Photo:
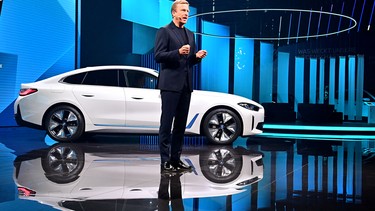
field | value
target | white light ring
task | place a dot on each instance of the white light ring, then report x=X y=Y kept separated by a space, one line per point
x=276 y=38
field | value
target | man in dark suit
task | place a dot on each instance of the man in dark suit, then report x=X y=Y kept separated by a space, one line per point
x=175 y=51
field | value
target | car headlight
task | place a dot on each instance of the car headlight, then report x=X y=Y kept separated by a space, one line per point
x=249 y=106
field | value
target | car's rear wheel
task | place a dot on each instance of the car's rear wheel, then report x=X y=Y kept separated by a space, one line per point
x=63 y=163
x=64 y=123
x=222 y=126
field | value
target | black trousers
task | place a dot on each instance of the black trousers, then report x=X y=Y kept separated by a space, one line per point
x=174 y=109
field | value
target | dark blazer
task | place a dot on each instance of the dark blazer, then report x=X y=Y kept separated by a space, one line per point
x=174 y=67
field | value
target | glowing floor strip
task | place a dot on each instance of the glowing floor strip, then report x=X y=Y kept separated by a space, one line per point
x=320 y=128
x=317 y=136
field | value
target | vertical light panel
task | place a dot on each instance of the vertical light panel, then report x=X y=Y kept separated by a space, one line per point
x=283 y=77
x=332 y=75
x=311 y=174
x=340 y=170
x=297 y=173
x=320 y=174
x=341 y=96
x=281 y=179
x=266 y=72
x=360 y=78
x=244 y=67
x=264 y=196
x=299 y=74
x=215 y=67
x=321 y=81
x=351 y=89
x=350 y=168
x=358 y=170
x=313 y=76
x=330 y=175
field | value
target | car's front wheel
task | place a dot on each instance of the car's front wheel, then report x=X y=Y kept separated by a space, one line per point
x=64 y=123
x=222 y=126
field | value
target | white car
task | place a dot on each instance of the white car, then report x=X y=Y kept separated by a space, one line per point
x=123 y=99
x=75 y=176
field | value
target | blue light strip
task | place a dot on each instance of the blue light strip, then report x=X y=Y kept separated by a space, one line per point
x=320 y=18
x=299 y=21
x=342 y=10
x=317 y=136
x=319 y=128
x=329 y=20
x=372 y=12
x=308 y=29
x=355 y=3
x=290 y=24
x=360 y=19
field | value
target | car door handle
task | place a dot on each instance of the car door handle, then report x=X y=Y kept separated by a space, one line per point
x=137 y=98
x=88 y=95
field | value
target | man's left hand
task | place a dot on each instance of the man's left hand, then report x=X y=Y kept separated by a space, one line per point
x=201 y=54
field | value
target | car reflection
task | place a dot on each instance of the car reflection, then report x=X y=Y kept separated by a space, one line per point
x=81 y=176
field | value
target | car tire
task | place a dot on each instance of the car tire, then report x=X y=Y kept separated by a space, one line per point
x=221 y=164
x=222 y=126
x=63 y=163
x=64 y=123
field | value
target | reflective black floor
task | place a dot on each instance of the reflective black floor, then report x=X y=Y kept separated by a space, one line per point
x=123 y=173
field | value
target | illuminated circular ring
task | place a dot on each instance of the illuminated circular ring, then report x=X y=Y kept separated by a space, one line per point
x=276 y=38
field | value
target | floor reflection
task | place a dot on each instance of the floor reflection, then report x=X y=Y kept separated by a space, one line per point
x=123 y=173
x=82 y=176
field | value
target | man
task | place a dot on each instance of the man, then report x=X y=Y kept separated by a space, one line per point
x=175 y=51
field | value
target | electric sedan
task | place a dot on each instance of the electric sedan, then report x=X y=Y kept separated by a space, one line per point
x=124 y=99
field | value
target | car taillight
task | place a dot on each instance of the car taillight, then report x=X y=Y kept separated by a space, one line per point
x=24 y=92
x=22 y=191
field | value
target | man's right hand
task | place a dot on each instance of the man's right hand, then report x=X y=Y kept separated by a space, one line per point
x=184 y=50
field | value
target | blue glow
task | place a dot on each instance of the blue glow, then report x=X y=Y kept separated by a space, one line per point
x=297 y=171
x=244 y=68
x=350 y=168
x=360 y=19
x=320 y=173
x=281 y=179
x=318 y=128
x=151 y=14
x=266 y=72
x=317 y=136
x=351 y=109
x=31 y=32
x=283 y=78
x=332 y=73
x=331 y=167
x=321 y=81
x=342 y=80
x=313 y=76
x=311 y=174
x=299 y=79
x=340 y=169
x=214 y=68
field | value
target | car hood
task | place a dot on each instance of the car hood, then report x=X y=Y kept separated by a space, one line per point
x=210 y=95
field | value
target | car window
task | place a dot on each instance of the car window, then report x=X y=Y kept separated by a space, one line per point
x=102 y=78
x=138 y=79
x=75 y=79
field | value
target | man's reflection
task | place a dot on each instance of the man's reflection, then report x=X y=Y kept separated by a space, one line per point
x=171 y=180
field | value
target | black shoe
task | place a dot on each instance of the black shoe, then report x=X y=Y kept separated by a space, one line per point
x=181 y=166
x=166 y=167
